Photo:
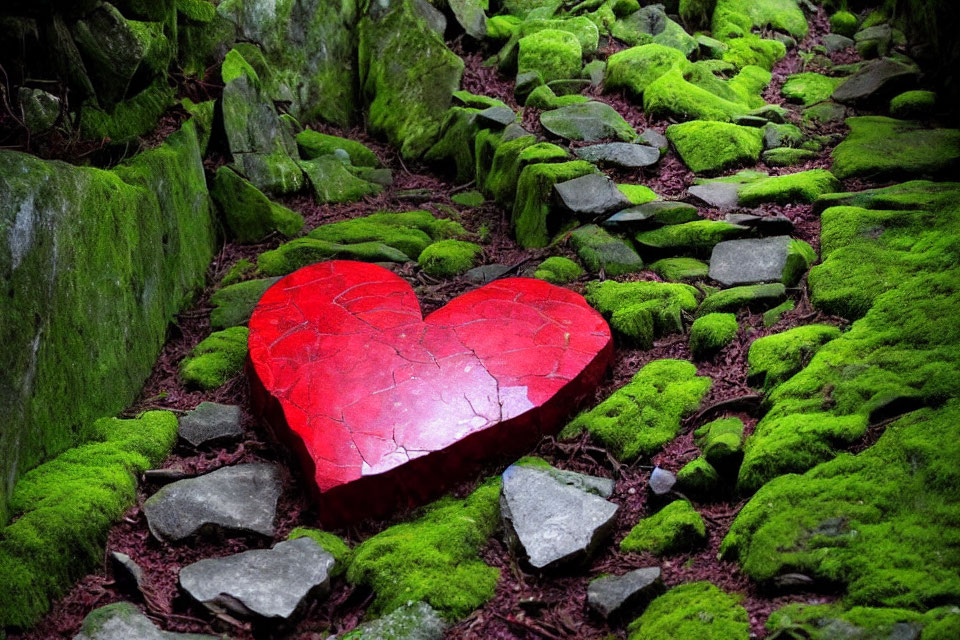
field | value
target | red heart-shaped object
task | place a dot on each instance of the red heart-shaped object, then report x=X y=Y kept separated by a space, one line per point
x=385 y=408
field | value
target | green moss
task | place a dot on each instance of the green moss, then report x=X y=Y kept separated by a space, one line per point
x=65 y=507
x=635 y=68
x=333 y=182
x=735 y=298
x=721 y=442
x=248 y=213
x=409 y=240
x=435 y=558
x=407 y=75
x=448 y=258
x=635 y=29
x=751 y=50
x=711 y=333
x=586 y=32
x=736 y=18
x=233 y=304
x=332 y=544
x=601 y=251
x=554 y=54
x=698 y=478
x=773 y=316
x=637 y=193
x=475 y=101
x=826 y=621
x=673 y=96
x=809 y=88
x=216 y=359
x=707 y=147
x=787 y=157
x=696 y=14
x=694 y=610
x=456 y=147
x=127 y=120
x=675 y=528
x=535 y=220
x=558 y=270
x=880 y=148
x=664 y=302
x=678 y=269
x=543 y=97
x=313 y=144
x=468 y=199
x=805 y=186
x=645 y=414
x=587 y=122
x=914 y=104
x=823 y=113
x=843 y=23
x=883 y=523
x=240 y=270
x=509 y=161
x=298 y=253
x=697 y=237
x=774 y=358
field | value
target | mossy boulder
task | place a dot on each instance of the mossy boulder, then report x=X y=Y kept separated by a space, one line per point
x=601 y=251
x=826 y=621
x=248 y=213
x=587 y=122
x=555 y=54
x=129 y=119
x=298 y=253
x=509 y=160
x=844 y=23
x=802 y=187
x=914 y=104
x=435 y=558
x=679 y=269
x=635 y=68
x=738 y=18
x=684 y=96
x=448 y=258
x=313 y=144
x=709 y=147
x=711 y=333
x=809 y=88
x=332 y=181
x=234 y=304
x=698 y=237
x=721 y=442
x=651 y=24
x=698 y=478
x=882 y=148
x=693 y=610
x=558 y=270
x=410 y=232
x=645 y=414
x=543 y=97
x=535 y=218
x=675 y=528
x=787 y=157
x=642 y=311
x=216 y=359
x=773 y=359
x=754 y=296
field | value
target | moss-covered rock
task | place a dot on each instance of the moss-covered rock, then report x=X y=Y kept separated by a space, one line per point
x=216 y=359
x=298 y=253
x=651 y=25
x=805 y=187
x=248 y=213
x=543 y=97
x=844 y=23
x=754 y=296
x=773 y=316
x=675 y=528
x=588 y=122
x=555 y=54
x=448 y=258
x=558 y=270
x=535 y=219
x=129 y=119
x=737 y=18
x=65 y=507
x=787 y=157
x=233 y=304
x=694 y=610
x=696 y=14
x=642 y=311
x=914 y=104
x=809 y=88
x=332 y=544
x=679 y=269
x=435 y=558
x=752 y=50
x=826 y=621
x=721 y=442
x=711 y=333
x=773 y=359
x=635 y=68
x=707 y=147
x=332 y=181
x=601 y=251
x=407 y=75
x=643 y=415
x=881 y=148
x=313 y=144
x=697 y=237
x=510 y=159
x=410 y=232
x=672 y=95
x=698 y=478
x=637 y=193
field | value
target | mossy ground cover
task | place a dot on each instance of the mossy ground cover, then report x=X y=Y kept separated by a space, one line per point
x=694 y=610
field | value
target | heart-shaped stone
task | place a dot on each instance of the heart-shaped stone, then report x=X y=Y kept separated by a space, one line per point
x=386 y=409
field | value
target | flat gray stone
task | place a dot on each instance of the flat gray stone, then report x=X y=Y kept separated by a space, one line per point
x=626 y=155
x=661 y=482
x=211 y=422
x=499 y=116
x=835 y=42
x=487 y=273
x=777 y=225
x=588 y=121
x=591 y=195
x=413 y=621
x=123 y=621
x=269 y=583
x=655 y=139
x=617 y=595
x=750 y=261
x=238 y=498
x=877 y=81
x=430 y=14
x=551 y=523
x=651 y=214
x=470 y=15
x=514 y=131
x=722 y=195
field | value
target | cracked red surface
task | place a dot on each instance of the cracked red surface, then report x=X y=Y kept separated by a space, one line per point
x=385 y=407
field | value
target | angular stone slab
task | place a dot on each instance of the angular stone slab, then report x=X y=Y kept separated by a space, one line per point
x=878 y=80
x=626 y=155
x=269 y=583
x=413 y=621
x=123 y=621
x=363 y=388
x=498 y=116
x=617 y=595
x=238 y=498
x=552 y=523
x=776 y=225
x=661 y=482
x=600 y=250
x=211 y=422
x=653 y=213
x=593 y=194
x=750 y=261
x=722 y=195
x=587 y=122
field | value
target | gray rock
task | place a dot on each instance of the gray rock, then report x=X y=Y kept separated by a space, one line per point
x=619 y=154
x=588 y=121
x=651 y=214
x=772 y=112
x=487 y=273
x=40 y=109
x=591 y=195
x=211 y=422
x=525 y=83
x=661 y=481
x=568 y=86
x=599 y=250
x=238 y=498
x=750 y=261
x=431 y=15
x=551 y=523
x=498 y=116
x=835 y=42
x=413 y=621
x=616 y=595
x=470 y=15
x=514 y=131
x=722 y=195
x=123 y=621
x=126 y=572
x=776 y=225
x=269 y=583
x=655 y=139
x=874 y=41
x=594 y=71
x=876 y=81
